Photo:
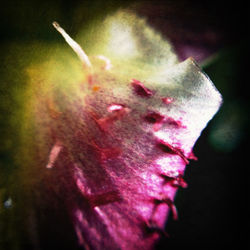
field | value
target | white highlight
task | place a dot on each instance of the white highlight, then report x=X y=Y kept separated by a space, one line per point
x=114 y=107
x=8 y=203
x=74 y=45
x=99 y=211
x=122 y=40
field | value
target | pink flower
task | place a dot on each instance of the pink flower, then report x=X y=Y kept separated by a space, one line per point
x=120 y=139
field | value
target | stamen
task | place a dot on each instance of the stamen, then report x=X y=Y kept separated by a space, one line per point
x=107 y=61
x=74 y=45
x=56 y=149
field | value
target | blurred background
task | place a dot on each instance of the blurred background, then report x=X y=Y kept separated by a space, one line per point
x=213 y=209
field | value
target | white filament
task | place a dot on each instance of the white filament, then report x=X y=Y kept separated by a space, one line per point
x=74 y=45
x=107 y=61
x=56 y=149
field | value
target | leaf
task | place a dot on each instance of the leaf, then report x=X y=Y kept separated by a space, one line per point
x=108 y=148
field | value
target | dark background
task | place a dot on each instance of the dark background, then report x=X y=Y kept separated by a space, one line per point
x=213 y=210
